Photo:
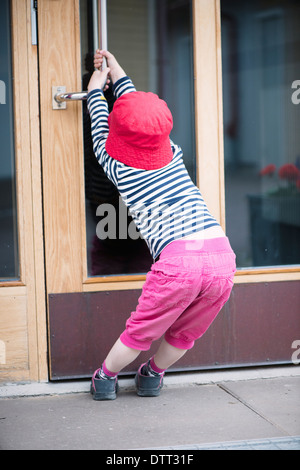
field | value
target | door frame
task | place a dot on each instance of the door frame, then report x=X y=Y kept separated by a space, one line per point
x=23 y=331
x=62 y=146
x=62 y=142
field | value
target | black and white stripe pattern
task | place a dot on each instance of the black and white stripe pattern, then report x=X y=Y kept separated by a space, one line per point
x=165 y=204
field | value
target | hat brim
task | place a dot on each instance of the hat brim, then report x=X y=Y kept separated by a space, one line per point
x=140 y=158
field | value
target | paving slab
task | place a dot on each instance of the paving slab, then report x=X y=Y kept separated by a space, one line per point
x=180 y=416
x=276 y=400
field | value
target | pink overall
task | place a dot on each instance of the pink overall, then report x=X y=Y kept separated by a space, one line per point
x=183 y=293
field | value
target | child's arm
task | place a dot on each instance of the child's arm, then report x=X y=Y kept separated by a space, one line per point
x=98 y=109
x=99 y=80
x=121 y=83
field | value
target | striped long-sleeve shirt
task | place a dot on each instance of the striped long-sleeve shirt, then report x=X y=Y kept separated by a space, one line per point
x=164 y=203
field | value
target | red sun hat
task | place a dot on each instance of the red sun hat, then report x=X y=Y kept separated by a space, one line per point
x=139 y=128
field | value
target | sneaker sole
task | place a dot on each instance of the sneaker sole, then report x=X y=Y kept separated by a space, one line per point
x=148 y=393
x=103 y=396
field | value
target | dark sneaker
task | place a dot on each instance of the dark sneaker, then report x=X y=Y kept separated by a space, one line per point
x=104 y=389
x=148 y=386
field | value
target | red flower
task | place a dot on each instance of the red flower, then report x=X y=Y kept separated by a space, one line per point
x=289 y=172
x=268 y=170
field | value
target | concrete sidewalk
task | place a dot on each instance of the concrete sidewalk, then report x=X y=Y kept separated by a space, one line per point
x=240 y=409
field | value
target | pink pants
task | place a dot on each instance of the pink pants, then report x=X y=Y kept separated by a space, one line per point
x=183 y=293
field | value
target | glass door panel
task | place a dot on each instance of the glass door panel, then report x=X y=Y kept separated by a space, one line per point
x=153 y=42
x=9 y=257
x=261 y=70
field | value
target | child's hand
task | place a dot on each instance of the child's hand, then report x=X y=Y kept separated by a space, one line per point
x=116 y=71
x=98 y=60
x=99 y=79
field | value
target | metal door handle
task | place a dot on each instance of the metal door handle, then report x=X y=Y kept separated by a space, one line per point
x=60 y=97
x=76 y=96
x=59 y=94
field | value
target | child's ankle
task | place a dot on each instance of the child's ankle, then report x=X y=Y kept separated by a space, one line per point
x=105 y=373
x=151 y=369
x=155 y=368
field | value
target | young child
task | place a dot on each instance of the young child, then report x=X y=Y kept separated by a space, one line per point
x=192 y=274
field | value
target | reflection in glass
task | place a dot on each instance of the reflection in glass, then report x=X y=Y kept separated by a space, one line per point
x=261 y=66
x=9 y=259
x=153 y=42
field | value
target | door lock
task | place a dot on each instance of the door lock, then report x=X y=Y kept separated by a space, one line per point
x=60 y=97
x=57 y=90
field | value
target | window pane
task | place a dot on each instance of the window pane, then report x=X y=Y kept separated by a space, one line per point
x=9 y=262
x=261 y=91
x=153 y=42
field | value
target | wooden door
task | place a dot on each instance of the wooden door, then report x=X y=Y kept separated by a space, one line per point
x=75 y=328
x=61 y=135
x=86 y=313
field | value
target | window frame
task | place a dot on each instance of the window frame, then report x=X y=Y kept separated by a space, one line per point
x=207 y=49
x=246 y=274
